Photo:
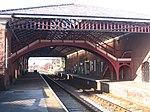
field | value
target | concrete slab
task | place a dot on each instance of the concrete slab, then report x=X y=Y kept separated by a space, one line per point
x=22 y=101
x=29 y=94
x=137 y=92
x=26 y=95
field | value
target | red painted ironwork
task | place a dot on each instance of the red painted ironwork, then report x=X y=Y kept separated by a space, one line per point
x=105 y=68
x=115 y=63
x=55 y=26
x=67 y=24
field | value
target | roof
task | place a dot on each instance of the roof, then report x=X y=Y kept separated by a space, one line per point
x=22 y=38
x=74 y=10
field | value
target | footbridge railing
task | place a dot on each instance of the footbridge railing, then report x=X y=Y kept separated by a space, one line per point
x=77 y=43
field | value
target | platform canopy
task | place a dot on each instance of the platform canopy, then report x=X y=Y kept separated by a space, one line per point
x=71 y=22
x=74 y=10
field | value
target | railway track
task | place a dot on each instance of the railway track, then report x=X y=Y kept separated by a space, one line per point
x=72 y=102
x=109 y=102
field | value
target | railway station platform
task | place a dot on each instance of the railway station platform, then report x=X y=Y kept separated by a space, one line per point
x=136 y=92
x=29 y=94
x=86 y=81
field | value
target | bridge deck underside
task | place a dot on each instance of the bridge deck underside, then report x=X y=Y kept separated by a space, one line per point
x=22 y=38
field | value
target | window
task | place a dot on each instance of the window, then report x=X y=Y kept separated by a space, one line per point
x=145 y=72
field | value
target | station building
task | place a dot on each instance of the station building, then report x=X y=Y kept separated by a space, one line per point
x=94 y=41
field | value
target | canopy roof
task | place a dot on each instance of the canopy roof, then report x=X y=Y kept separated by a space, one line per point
x=75 y=10
x=28 y=25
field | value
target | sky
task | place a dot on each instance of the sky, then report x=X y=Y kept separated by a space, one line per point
x=41 y=60
x=140 y=6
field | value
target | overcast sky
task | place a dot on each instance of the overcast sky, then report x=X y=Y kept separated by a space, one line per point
x=140 y=6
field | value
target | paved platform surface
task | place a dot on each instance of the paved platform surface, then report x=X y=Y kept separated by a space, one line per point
x=140 y=85
x=29 y=94
x=87 y=77
x=137 y=92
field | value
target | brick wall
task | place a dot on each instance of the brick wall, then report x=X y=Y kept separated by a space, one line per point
x=136 y=46
x=4 y=78
x=140 y=46
x=9 y=68
x=6 y=66
x=76 y=64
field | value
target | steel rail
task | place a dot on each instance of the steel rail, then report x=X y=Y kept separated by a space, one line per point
x=89 y=106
